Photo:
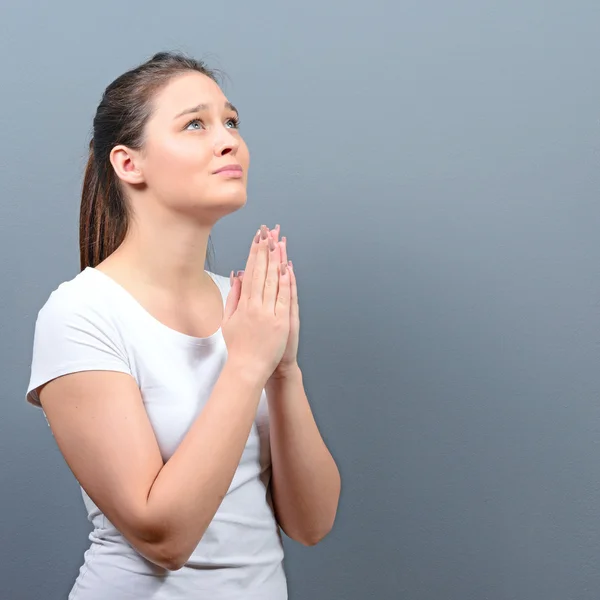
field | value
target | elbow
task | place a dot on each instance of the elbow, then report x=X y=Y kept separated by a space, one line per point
x=312 y=537
x=165 y=550
x=311 y=531
x=168 y=556
x=315 y=538
x=174 y=564
x=165 y=542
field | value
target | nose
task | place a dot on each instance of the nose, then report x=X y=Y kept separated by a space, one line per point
x=226 y=144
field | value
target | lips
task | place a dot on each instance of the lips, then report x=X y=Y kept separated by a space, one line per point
x=230 y=168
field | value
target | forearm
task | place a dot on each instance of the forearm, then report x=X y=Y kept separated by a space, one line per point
x=192 y=484
x=305 y=479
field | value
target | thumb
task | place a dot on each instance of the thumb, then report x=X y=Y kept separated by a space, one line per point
x=233 y=297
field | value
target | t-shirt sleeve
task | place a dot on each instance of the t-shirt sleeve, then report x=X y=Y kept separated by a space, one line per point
x=72 y=335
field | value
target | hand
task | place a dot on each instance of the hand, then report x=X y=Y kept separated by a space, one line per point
x=256 y=323
x=289 y=360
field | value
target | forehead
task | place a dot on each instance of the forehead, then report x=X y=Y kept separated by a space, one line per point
x=186 y=90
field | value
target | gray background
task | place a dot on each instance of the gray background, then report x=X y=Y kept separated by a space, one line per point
x=435 y=166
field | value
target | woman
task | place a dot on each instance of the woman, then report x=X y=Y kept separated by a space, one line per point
x=174 y=394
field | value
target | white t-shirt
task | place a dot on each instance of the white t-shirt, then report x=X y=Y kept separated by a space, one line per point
x=93 y=323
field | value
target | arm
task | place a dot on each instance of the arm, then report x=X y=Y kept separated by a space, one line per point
x=102 y=430
x=305 y=479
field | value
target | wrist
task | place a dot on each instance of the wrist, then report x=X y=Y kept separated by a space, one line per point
x=246 y=372
x=286 y=372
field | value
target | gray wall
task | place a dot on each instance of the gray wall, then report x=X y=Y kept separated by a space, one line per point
x=435 y=165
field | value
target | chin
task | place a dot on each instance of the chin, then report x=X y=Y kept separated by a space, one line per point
x=232 y=201
x=221 y=205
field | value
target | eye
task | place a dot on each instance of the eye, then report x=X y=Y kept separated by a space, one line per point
x=195 y=122
x=233 y=123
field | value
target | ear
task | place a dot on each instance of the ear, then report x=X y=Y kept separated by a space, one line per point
x=126 y=163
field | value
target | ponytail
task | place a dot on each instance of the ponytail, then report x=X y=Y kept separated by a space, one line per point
x=102 y=217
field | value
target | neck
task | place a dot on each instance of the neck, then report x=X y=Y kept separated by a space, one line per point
x=167 y=254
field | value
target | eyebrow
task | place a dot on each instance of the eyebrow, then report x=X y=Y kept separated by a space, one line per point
x=201 y=107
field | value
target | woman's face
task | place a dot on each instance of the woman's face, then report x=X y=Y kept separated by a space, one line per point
x=190 y=138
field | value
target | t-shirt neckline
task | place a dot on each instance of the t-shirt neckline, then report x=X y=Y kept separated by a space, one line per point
x=175 y=335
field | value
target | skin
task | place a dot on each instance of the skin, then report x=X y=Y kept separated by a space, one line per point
x=175 y=199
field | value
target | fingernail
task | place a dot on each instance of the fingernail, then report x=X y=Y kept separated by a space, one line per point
x=240 y=273
x=284 y=239
x=231 y=278
x=290 y=264
x=283 y=268
x=264 y=232
x=271 y=244
x=257 y=237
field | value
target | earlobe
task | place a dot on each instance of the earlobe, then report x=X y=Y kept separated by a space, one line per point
x=125 y=162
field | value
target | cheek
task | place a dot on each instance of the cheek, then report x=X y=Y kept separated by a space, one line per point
x=243 y=157
x=244 y=154
x=178 y=159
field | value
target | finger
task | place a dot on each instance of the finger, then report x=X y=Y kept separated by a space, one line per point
x=247 y=281
x=259 y=272
x=282 y=308
x=233 y=297
x=294 y=306
x=283 y=246
x=272 y=279
x=275 y=233
x=283 y=250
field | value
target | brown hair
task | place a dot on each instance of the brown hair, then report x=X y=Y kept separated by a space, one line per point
x=121 y=117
